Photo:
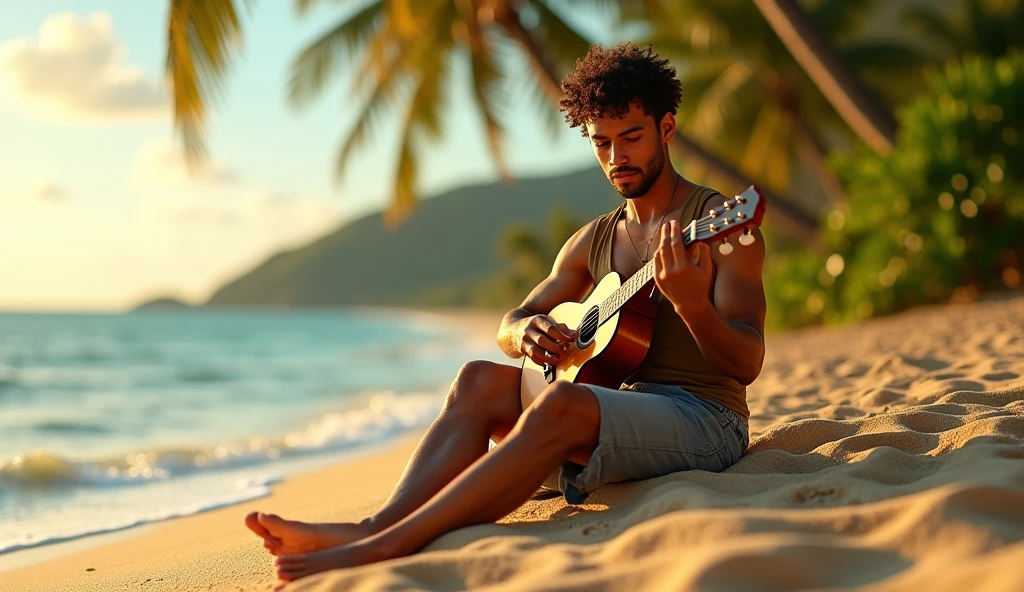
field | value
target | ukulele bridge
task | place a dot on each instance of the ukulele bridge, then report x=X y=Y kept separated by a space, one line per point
x=549 y=373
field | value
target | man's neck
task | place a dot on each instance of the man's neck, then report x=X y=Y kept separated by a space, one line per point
x=649 y=208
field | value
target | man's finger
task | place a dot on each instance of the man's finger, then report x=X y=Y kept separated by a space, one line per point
x=541 y=357
x=555 y=332
x=548 y=344
x=705 y=257
x=694 y=253
x=668 y=257
x=536 y=354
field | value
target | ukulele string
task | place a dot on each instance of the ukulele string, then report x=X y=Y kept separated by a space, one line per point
x=592 y=323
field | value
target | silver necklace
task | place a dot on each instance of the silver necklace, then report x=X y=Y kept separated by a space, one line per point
x=651 y=240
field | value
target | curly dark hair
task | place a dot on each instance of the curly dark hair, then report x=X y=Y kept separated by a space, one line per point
x=607 y=81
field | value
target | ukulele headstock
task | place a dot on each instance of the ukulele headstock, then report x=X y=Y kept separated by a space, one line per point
x=740 y=213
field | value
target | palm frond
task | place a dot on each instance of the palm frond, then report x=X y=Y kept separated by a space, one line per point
x=381 y=99
x=430 y=65
x=485 y=79
x=564 y=43
x=552 y=118
x=710 y=114
x=304 y=6
x=202 y=38
x=312 y=70
x=755 y=155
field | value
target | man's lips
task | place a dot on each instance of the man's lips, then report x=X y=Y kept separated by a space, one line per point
x=624 y=175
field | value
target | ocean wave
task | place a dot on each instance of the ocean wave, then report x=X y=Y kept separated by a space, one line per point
x=385 y=415
x=246 y=490
x=202 y=374
x=70 y=427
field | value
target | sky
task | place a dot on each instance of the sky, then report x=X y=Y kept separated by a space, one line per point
x=97 y=210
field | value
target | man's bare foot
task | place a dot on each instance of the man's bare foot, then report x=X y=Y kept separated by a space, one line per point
x=292 y=537
x=292 y=567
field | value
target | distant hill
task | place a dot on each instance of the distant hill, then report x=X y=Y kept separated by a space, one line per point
x=437 y=257
x=164 y=303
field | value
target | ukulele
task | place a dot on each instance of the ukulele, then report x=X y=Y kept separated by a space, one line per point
x=615 y=323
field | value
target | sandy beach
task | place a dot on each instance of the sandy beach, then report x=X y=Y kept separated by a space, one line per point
x=885 y=456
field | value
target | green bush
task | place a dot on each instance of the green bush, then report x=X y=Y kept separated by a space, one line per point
x=941 y=218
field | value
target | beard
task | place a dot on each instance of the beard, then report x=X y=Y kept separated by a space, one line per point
x=648 y=175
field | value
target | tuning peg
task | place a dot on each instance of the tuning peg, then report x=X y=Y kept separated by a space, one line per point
x=747 y=239
x=725 y=247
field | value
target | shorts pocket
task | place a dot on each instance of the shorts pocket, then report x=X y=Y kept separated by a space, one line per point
x=726 y=417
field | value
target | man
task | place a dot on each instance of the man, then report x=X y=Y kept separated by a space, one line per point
x=684 y=408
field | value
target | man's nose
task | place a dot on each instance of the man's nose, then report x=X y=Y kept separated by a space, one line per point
x=617 y=156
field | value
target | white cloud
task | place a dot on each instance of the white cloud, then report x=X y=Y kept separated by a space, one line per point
x=158 y=164
x=76 y=69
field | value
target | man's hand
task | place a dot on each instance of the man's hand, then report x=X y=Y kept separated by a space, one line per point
x=543 y=340
x=683 y=274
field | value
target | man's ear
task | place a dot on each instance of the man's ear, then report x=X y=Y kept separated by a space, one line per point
x=667 y=127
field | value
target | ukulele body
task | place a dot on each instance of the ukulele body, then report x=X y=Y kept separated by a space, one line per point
x=604 y=355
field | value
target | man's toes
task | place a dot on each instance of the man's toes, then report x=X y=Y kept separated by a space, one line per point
x=288 y=567
x=273 y=523
x=253 y=522
x=290 y=561
x=270 y=547
x=290 y=575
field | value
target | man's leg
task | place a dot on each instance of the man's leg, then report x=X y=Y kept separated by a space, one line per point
x=483 y=401
x=562 y=424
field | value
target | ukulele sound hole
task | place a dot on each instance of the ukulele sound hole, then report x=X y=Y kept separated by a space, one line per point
x=587 y=329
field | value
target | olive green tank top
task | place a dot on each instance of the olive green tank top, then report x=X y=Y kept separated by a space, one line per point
x=673 y=357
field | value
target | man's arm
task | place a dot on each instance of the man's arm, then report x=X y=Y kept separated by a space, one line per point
x=569 y=281
x=730 y=330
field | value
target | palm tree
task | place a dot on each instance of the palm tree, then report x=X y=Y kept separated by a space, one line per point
x=830 y=73
x=407 y=48
x=532 y=251
x=745 y=94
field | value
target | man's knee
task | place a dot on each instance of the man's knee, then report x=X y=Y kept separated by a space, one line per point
x=565 y=413
x=479 y=382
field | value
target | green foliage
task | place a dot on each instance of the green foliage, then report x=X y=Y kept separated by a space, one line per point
x=939 y=219
x=530 y=252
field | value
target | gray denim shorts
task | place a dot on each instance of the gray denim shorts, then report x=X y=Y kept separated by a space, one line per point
x=648 y=430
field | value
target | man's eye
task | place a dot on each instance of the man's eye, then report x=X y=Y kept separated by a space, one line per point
x=632 y=139
x=600 y=144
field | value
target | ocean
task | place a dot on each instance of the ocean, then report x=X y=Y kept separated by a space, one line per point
x=108 y=421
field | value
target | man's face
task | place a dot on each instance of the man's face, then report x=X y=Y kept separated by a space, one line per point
x=630 y=149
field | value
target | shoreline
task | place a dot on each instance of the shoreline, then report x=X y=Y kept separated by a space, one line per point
x=29 y=556
x=111 y=560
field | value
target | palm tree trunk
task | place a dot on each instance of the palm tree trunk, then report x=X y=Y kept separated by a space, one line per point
x=791 y=218
x=834 y=79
